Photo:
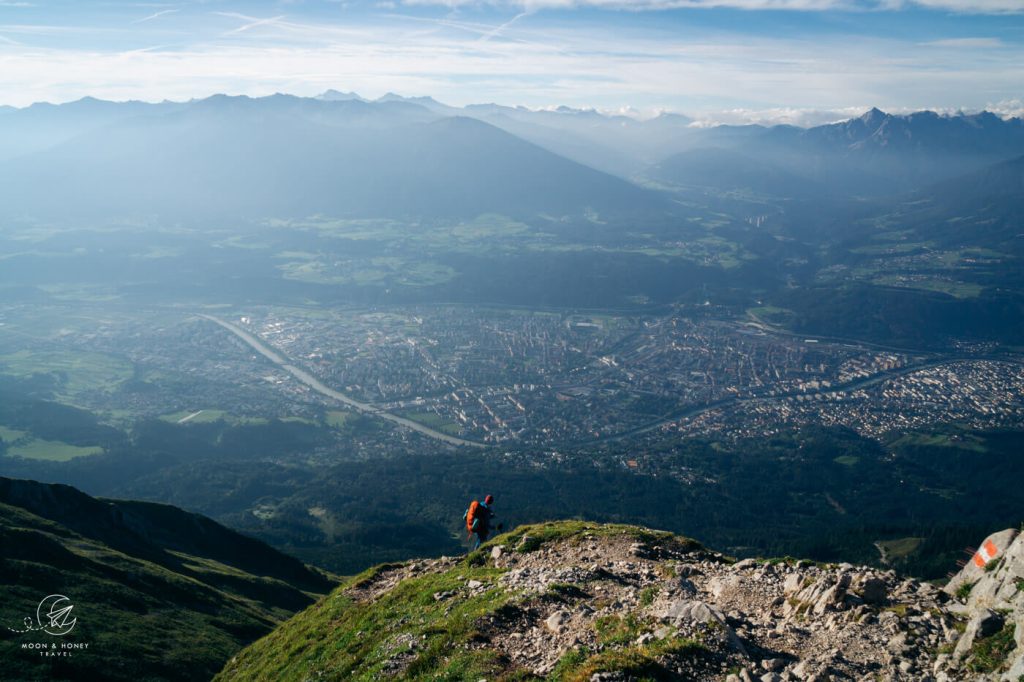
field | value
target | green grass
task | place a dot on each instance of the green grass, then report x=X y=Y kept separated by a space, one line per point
x=348 y=640
x=963 y=592
x=51 y=450
x=615 y=630
x=900 y=548
x=847 y=460
x=648 y=594
x=899 y=609
x=990 y=654
x=643 y=662
x=530 y=538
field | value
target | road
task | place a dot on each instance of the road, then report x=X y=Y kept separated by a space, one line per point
x=314 y=383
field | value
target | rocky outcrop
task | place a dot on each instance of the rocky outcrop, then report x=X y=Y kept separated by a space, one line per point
x=989 y=594
x=584 y=602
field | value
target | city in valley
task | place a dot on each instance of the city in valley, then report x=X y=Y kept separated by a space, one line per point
x=478 y=376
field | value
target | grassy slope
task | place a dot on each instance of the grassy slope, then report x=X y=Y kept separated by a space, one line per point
x=341 y=638
x=146 y=614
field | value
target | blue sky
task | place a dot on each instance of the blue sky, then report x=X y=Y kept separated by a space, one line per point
x=791 y=60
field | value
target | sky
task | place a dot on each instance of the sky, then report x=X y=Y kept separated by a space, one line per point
x=798 y=61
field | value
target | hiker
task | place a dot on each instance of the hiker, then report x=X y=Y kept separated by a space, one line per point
x=478 y=519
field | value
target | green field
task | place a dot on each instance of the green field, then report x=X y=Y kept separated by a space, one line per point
x=337 y=419
x=191 y=416
x=75 y=372
x=9 y=435
x=945 y=440
x=847 y=460
x=317 y=269
x=943 y=286
x=52 y=450
x=900 y=547
x=434 y=421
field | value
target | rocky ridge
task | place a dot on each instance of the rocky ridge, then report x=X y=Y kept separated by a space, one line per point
x=579 y=601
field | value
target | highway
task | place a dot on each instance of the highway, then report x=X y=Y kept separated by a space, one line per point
x=314 y=383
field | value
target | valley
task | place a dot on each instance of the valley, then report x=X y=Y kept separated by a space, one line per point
x=723 y=341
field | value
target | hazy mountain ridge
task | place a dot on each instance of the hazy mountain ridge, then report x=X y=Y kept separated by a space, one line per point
x=287 y=156
x=341 y=154
x=876 y=154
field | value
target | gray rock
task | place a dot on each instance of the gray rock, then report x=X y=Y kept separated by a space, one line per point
x=873 y=591
x=793 y=583
x=984 y=624
x=771 y=677
x=696 y=612
x=685 y=585
x=693 y=611
x=773 y=664
x=556 y=622
x=1016 y=671
x=497 y=551
x=474 y=584
x=974 y=570
x=745 y=564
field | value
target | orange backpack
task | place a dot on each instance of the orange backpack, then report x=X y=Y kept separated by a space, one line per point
x=474 y=506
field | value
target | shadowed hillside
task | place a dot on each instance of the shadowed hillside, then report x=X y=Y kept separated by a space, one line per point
x=158 y=593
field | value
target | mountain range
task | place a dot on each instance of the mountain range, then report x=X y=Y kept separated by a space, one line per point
x=340 y=155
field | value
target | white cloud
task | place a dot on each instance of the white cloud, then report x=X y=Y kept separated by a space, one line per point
x=960 y=6
x=803 y=118
x=1008 y=108
x=154 y=15
x=974 y=6
x=968 y=43
x=528 y=62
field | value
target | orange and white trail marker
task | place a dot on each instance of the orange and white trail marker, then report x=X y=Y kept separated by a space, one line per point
x=985 y=554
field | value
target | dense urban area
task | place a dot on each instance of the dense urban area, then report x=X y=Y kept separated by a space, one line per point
x=506 y=377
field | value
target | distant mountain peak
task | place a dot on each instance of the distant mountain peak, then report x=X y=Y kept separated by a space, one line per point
x=874 y=117
x=393 y=97
x=332 y=95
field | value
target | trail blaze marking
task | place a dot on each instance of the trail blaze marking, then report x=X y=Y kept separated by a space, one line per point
x=985 y=554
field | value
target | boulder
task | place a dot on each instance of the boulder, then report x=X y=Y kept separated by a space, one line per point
x=984 y=624
x=872 y=590
x=993 y=547
x=557 y=621
x=695 y=612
